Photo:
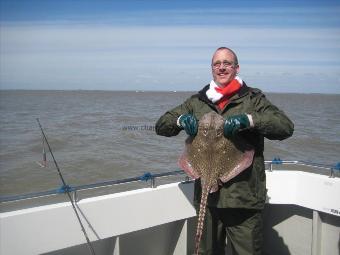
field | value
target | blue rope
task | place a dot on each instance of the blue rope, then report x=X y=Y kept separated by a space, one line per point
x=277 y=161
x=65 y=189
x=145 y=177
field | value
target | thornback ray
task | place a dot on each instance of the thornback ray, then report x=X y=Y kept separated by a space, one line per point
x=214 y=159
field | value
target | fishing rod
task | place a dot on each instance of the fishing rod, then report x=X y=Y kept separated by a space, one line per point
x=67 y=191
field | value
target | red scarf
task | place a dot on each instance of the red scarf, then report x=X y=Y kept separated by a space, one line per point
x=228 y=91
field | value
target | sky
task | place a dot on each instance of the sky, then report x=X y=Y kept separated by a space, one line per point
x=282 y=46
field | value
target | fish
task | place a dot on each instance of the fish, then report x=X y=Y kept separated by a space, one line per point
x=214 y=159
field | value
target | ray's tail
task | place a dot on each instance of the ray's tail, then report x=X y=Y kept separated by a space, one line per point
x=201 y=216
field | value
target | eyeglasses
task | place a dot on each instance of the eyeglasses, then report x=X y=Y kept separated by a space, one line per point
x=226 y=64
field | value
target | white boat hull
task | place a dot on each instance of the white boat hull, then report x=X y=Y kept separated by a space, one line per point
x=302 y=217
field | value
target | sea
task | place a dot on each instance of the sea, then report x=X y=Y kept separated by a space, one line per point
x=97 y=136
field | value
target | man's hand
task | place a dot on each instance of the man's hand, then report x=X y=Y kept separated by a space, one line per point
x=189 y=123
x=234 y=124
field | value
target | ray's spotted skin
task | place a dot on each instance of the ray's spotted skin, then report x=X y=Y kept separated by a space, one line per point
x=213 y=158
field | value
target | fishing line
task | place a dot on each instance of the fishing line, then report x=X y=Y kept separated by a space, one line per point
x=67 y=191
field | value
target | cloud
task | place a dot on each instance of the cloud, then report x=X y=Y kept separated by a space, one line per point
x=107 y=56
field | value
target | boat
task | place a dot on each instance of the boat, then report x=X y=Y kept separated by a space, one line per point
x=301 y=216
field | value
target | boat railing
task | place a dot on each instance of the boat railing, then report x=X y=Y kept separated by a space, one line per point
x=148 y=177
x=278 y=161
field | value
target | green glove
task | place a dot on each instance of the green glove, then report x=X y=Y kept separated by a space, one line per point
x=234 y=124
x=189 y=123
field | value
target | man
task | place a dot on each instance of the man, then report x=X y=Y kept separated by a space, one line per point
x=235 y=211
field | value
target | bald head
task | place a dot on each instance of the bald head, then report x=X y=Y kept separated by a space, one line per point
x=229 y=50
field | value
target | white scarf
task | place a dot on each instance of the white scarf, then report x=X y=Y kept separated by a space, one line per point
x=215 y=96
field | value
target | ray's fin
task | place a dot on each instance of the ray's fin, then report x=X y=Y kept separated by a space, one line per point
x=184 y=164
x=246 y=161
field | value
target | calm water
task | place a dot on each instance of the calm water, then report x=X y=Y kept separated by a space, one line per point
x=100 y=135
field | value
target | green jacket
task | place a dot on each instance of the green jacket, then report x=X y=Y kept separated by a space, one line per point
x=248 y=189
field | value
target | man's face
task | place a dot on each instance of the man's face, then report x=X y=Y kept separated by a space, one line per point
x=223 y=67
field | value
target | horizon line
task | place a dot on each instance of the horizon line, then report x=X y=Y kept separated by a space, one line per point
x=158 y=91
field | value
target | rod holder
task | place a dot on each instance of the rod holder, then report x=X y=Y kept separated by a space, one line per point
x=75 y=196
x=270 y=167
x=153 y=182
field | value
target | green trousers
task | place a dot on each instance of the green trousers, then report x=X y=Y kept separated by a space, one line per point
x=241 y=227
